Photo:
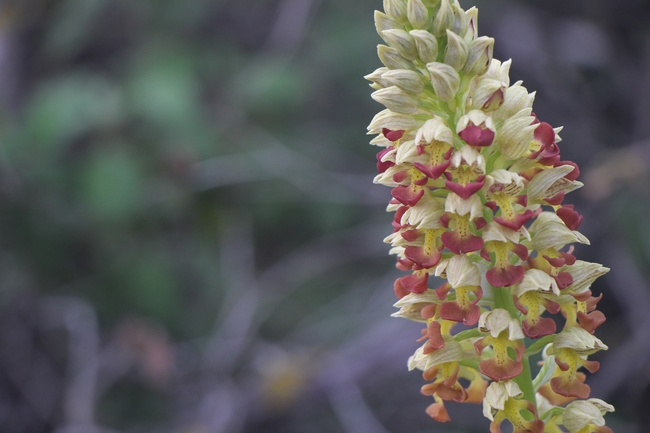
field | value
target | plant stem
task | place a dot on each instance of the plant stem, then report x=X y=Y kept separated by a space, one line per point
x=503 y=299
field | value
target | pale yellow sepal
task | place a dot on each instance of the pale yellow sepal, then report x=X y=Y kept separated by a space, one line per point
x=516 y=134
x=433 y=130
x=499 y=320
x=425 y=214
x=581 y=413
x=461 y=272
x=579 y=340
x=496 y=396
x=539 y=281
x=391 y=120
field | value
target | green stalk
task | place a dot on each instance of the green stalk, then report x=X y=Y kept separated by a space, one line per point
x=503 y=299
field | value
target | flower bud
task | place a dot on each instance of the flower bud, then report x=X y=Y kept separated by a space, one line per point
x=405 y=79
x=390 y=120
x=395 y=99
x=396 y=9
x=472 y=24
x=456 y=52
x=427 y=45
x=488 y=95
x=376 y=78
x=402 y=42
x=516 y=134
x=480 y=55
x=391 y=58
x=444 y=19
x=417 y=14
x=384 y=22
x=460 y=19
x=444 y=79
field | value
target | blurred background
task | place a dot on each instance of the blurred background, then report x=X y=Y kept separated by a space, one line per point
x=190 y=239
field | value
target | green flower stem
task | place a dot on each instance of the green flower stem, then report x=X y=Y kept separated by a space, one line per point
x=503 y=299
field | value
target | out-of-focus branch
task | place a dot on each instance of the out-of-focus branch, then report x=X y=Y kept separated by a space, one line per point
x=78 y=319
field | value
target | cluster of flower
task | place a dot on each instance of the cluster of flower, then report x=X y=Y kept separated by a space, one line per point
x=478 y=188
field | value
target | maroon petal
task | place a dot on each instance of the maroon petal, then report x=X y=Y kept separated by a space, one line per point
x=504 y=371
x=419 y=256
x=431 y=170
x=569 y=258
x=589 y=322
x=570 y=388
x=410 y=235
x=452 y=311
x=392 y=135
x=466 y=191
x=435 y=341
x=415 y=283
x=397 y=219
x=522 y=200
x=543 y=326
x=520 y=220
x=556 y=262
x=442 y=291
x=564 y=280
x=556 y=199
x=506 y=276
x=572 y=175
x=521 y=251
x=476 y=136
x=404 y=264
x=399 y=289
x=407 y=195
x=458 y=245
x=571 y=218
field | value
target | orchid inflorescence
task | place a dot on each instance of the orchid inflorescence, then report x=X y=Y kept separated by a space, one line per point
x=478 y=191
